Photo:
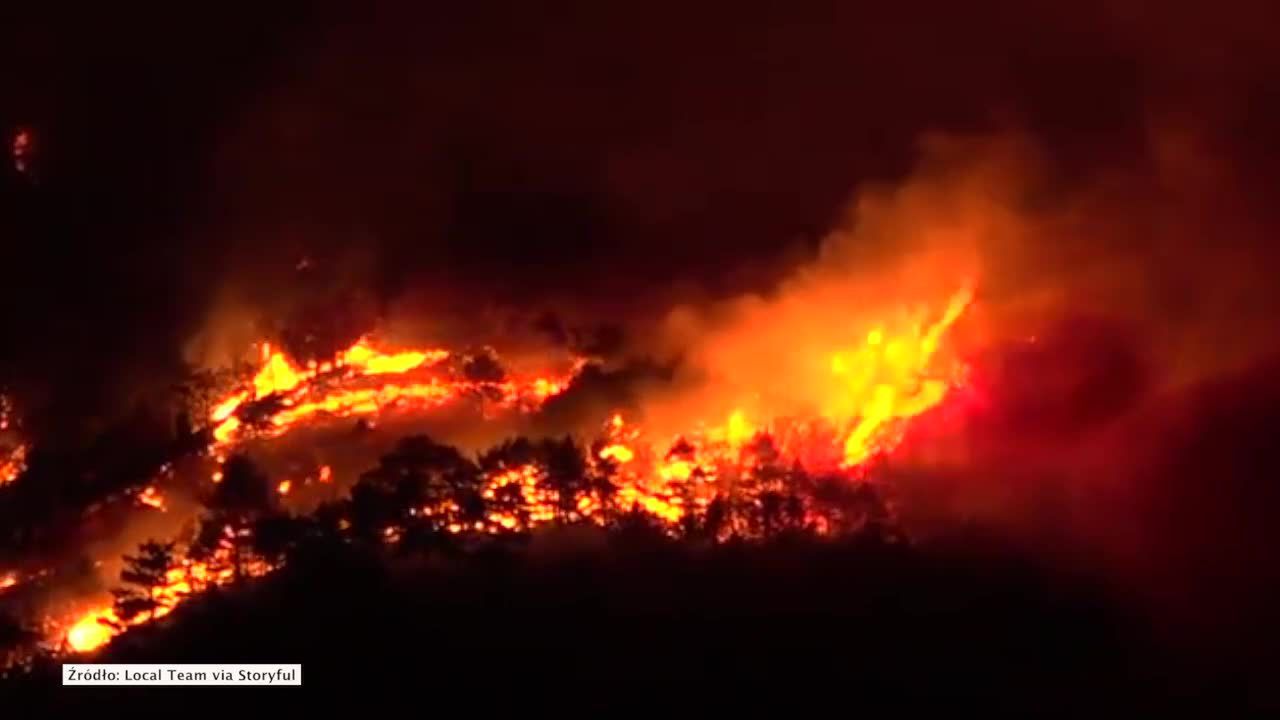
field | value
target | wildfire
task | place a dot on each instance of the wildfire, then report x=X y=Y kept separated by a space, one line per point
x=873 y=386
x=891 y=378
x=152 y=498
x=352 y=386
x=93 y=628
x=13 y=449
x=13 y=464
x=895 y=373
x=8 y=580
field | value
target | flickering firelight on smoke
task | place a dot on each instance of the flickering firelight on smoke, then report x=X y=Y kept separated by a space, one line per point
x=876 y=383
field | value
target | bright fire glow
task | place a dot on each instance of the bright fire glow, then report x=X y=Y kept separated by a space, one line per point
x=93 y=628
x=13 y=449
x=351 y=386
x=151 y=498
x=13 y=463
x=872 y=386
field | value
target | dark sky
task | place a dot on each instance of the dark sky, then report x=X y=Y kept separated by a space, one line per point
x=594 y=153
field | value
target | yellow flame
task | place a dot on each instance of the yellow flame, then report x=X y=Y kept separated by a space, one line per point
x=152 y=498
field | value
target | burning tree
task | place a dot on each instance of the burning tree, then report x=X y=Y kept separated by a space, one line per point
x=14 y=637
x=566 y=475
x=422 y=486
x=732 y=473
x=239 y=500
x=148 y=572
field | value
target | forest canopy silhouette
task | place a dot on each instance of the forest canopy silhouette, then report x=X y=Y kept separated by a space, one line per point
x=601 y=355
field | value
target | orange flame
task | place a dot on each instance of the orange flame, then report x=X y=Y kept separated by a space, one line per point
x=894 y=373
x=95 y=627
x=307 y=392
x=152 y=498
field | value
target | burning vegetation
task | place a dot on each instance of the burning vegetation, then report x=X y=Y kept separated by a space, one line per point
x=759 y=470
x=13 y=447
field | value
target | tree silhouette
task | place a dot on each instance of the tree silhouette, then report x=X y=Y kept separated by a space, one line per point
x=244 y=490
x=566 y=474
x=275 y=534
x=848 y=507
x=242 y=497
x=373 y=509
x=421 y=486
x=14 y=636
x=508 y=500
x=716 y=519
x=148 y=572
x=602 y=479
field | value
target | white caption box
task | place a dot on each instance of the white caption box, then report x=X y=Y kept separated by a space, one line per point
x=211 y=674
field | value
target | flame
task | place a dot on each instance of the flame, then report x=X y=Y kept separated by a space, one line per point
x=152 y=498
x=223 y=409
x=13 y=464
x=339 y=388
x=890 y=378
x=369 y=361
x=8 y=580
x=13 y=449
x=617 y=452
x=91 y=629
x=872 y=387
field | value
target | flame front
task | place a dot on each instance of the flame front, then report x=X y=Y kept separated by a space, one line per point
x=93 y=628
x=326 y=388
x=870 y=389
x=891 y=378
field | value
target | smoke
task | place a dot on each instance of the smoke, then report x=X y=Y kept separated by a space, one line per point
x=1111 y=308
x=544 y=181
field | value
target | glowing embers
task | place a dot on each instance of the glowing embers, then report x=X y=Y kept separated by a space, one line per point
x=13 y=447
x=13 y=463
x=151 y=497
